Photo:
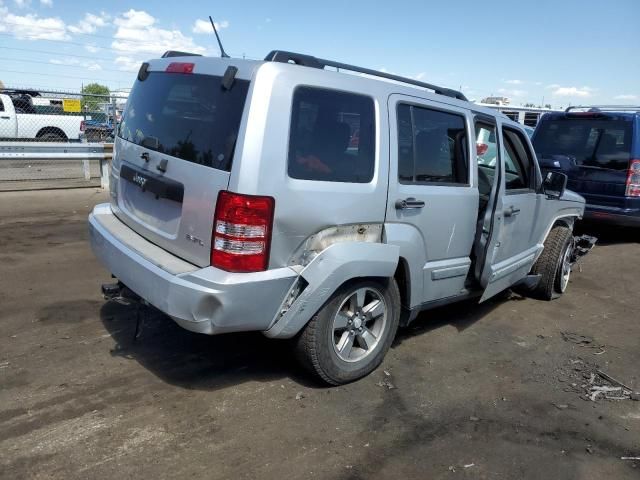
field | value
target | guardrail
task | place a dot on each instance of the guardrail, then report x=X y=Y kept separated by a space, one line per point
x=33 y=166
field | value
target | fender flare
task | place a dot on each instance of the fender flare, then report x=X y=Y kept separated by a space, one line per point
x=328 y=271
x=569 y=214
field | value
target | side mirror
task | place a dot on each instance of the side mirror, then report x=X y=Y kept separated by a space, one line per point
x=554 y=184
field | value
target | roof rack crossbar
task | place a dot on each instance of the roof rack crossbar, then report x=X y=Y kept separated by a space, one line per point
x=610 y=108
x=314 y=62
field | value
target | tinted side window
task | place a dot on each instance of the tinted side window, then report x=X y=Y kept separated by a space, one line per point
x=1 y=106
x=23 y=104
x=517 y=161
x=332 y=136
x=432 y=146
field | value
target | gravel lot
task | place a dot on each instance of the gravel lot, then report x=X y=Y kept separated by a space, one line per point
x=485 y=392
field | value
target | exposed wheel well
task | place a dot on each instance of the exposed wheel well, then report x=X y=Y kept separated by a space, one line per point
x=564 y=222
x=403 y=280
x=52 y=130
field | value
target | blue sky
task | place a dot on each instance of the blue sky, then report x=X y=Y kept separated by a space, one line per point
x=562 y=51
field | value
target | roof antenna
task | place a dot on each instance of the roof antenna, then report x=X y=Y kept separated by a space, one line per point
x=223 y=54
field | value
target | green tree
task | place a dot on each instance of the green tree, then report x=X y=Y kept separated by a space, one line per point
x=91 y=103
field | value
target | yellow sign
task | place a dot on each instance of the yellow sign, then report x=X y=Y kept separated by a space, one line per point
x=71 y=104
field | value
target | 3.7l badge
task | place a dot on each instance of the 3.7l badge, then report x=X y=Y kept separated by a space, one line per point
x=194 y=239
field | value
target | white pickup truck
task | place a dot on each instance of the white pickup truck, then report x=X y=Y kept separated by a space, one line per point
x=20 y=121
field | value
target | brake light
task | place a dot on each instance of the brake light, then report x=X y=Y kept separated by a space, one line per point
x=242 y=232
x=633 y=179
x=180 y=67
x=82 y=125
x=584 y=115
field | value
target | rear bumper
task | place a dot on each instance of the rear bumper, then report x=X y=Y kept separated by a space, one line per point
x=629 y=217
x=205 y=300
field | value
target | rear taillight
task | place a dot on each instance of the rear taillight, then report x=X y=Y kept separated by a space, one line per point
x=82 y=125
x=242 y=232
x=633 y=179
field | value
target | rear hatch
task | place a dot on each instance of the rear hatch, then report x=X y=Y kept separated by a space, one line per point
x=593 y=149
x=174 y=152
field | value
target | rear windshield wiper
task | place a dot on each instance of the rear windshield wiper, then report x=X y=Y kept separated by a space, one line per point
x=150 y=142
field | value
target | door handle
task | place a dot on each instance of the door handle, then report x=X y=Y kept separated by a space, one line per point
x=409 y=203
x=5 y=118
x=511 y=211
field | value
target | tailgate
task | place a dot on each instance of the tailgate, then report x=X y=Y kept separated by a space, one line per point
x=173 y=155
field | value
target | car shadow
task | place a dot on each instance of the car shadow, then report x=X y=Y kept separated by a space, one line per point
x=203 y=362
x=461 y=315
x=608 y=234
x=195 y=361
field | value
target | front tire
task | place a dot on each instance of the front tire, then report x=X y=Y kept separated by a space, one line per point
x=554 y=264
x=350 y=335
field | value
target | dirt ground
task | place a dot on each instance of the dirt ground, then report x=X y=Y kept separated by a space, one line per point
x=483 y=392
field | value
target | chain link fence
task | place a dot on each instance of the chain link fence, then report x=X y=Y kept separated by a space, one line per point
x=29 y=115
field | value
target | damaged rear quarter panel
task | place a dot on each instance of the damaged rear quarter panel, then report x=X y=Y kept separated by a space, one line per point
x=337 y=264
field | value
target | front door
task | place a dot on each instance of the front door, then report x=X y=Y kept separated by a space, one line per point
x=430 y=190
x=509 y=247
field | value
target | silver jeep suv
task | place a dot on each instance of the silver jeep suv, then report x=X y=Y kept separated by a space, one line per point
x=310 y=203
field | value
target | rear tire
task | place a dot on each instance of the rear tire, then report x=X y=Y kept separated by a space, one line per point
x=350 y=335
x=553 y=264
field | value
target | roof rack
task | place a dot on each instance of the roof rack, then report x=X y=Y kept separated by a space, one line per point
x=176 y=53
x=314 y=62
x=605 y=108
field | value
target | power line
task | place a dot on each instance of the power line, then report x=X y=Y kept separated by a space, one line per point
x=49 y=75
x=117 y=50
x=48 y=52
x=61 y=65
x=69 y=42
x=65 y=31
x=66 y=42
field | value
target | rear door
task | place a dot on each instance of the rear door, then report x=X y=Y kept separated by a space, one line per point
x=430 y=188
x=508 y=249
x=593 y=149
x=174 y=152
x=7 y=118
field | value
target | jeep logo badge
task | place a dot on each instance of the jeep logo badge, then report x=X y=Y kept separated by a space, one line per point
x=139 y=180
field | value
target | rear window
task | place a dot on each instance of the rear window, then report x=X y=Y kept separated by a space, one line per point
x=332 y=136
x=603 y=143
x=186 y=116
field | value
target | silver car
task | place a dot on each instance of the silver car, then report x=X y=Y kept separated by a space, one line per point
x=282 y=197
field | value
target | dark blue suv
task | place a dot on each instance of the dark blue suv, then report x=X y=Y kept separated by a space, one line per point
x=599 y=150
